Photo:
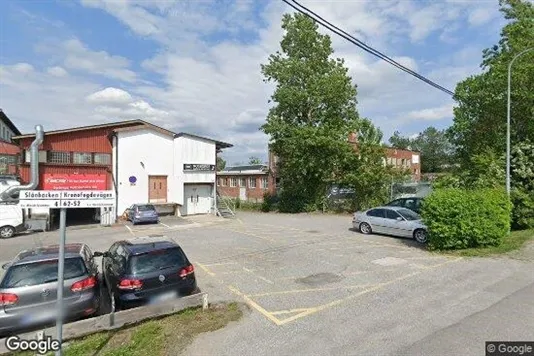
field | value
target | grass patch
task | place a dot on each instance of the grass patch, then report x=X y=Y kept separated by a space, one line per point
x=514 y=241
x=169 y=335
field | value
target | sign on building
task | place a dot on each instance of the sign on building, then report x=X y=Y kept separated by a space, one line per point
x=199 y=167
x=66 y=198
x=74 y=182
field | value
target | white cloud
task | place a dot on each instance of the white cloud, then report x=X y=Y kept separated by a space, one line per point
x=57 y=71
x=216 y=89
x=481 y=15
x=431 y=114
x=23 y=68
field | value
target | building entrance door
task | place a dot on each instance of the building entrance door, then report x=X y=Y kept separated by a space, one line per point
x=157 y=189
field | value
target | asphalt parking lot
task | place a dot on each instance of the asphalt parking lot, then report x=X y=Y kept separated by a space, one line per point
x=316 y=287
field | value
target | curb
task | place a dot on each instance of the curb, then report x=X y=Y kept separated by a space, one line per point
x=115 y=320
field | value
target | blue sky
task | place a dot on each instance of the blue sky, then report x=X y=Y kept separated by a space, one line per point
x=194 y=66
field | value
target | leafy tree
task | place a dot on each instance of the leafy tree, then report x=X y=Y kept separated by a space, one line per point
x=314 y=113
x=400 y=142
x=434 y=146
x=480 y=115
x=254 y=160
x=221 y=163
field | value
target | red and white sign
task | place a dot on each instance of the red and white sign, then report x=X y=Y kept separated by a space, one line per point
x=74 y=182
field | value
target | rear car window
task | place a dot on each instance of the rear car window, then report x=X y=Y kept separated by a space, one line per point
x=409 y=215
x=146 y=208
x=157 y=260
x=35 y=273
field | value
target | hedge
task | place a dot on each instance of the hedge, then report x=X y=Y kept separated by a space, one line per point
x=459 y=218
x=523 y=210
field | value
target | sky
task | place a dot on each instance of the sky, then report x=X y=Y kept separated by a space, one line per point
x=194 y=66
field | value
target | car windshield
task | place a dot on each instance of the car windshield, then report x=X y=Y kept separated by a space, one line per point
x=157 y=260
x=35 y=273
x=409 y=214
x=146 y=208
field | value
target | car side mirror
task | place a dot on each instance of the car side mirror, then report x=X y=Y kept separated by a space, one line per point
x=399 y=218
x=6 y=265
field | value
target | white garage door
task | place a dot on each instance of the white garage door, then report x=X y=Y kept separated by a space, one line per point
x=197 y=199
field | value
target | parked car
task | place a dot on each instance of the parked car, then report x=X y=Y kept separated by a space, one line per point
x=145 y=270
x=391 y=220
x=28 y=289
x=139 y=213
x=11 y=220
x=412 y=203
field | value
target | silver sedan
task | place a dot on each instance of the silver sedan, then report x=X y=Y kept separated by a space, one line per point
x=390 y=220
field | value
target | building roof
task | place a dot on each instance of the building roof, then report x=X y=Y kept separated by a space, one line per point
x=9 y=123
x=248 y=169
x=130 y=125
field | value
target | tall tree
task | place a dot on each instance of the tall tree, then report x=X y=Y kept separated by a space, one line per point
x=254 y=160
x=480 y=115
x=400 y=142
x=436 y=150
x=221 y=163
x=314 y=113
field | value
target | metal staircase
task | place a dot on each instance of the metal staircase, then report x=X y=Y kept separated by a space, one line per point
x=224 y=207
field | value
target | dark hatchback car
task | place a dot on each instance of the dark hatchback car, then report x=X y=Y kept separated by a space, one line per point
x=28 y=289
x=412 y=203
x=142 y=213
x=147 y=270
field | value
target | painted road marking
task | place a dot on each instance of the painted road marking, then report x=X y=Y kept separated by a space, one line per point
x=206 y=269
x=257 y=275
x=290 y=311
x=165 y=225
x=309 y=290
x=129 y=229
x=220 y=264
x=250 y=234
x=254 y=305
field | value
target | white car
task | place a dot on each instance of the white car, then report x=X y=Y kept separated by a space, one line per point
x=390 y=220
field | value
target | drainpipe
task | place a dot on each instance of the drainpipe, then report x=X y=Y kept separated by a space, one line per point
x=7 y=195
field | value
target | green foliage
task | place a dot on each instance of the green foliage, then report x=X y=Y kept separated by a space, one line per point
x=459 y=218
x=436 y=150
x=254 y=160
x=522 y=165
x=448 y=180
x=270 y=202
x=523 y=210
x=480 y=115
x=314 y=113
x=486 y=170
x=221 y=163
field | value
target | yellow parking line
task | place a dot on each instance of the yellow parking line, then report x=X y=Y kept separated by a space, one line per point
x=279 y=312
x=308 y=290
x=254 y=305
x=257 y=275
x=205 y=269
x=436 y=265
x=250 y=234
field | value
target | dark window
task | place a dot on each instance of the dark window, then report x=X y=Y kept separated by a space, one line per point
x=146 y=208
x=391 y=214
x=159 y=185
x=31 y=274
x=82 y=158
x=410 y=203
x=59 y=157
x=397 y=202
x=409 y=215
x=377 y=213
x=157 y=260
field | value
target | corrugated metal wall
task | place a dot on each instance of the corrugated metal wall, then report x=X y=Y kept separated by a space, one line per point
x=95 y=140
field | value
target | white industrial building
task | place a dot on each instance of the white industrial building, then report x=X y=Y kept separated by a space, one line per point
x=176 y=172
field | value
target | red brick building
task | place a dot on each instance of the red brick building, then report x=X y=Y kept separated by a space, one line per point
x=72 y=159
x=245 y=182
x=9 y=152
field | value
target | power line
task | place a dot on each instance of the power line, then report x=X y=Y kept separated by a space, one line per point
x=304 y=10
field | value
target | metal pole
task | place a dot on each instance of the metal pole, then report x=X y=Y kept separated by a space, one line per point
x=508 y=118
x=60 y=286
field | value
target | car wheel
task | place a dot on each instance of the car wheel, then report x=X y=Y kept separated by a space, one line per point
x=420 y=235
x=365 y=228
x=7 y=231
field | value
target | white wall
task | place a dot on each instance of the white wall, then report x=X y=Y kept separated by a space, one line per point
x=154 y=150
x=189 y=150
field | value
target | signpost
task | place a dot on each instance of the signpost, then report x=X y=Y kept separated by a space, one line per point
x=63 y=200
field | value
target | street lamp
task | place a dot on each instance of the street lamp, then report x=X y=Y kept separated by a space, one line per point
x=508 y=118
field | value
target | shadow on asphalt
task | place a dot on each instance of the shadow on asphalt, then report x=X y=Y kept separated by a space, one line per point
x=410 y=242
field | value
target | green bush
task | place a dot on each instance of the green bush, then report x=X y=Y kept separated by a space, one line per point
x=459 y=218
x=249 y=205
x=270 y=202
x=292 y=201
x=523 y=210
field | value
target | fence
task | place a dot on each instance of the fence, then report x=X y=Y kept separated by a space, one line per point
x=400 y=190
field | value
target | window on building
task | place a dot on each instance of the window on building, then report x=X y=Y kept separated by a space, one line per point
x=252 y=182
x=4 y=132
x=59 y=157
x=218 y=182
x=82 y=158
x=233 y=182
x=242 y=182
x=264 y=183
x=223 y=182
x=102 y=158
